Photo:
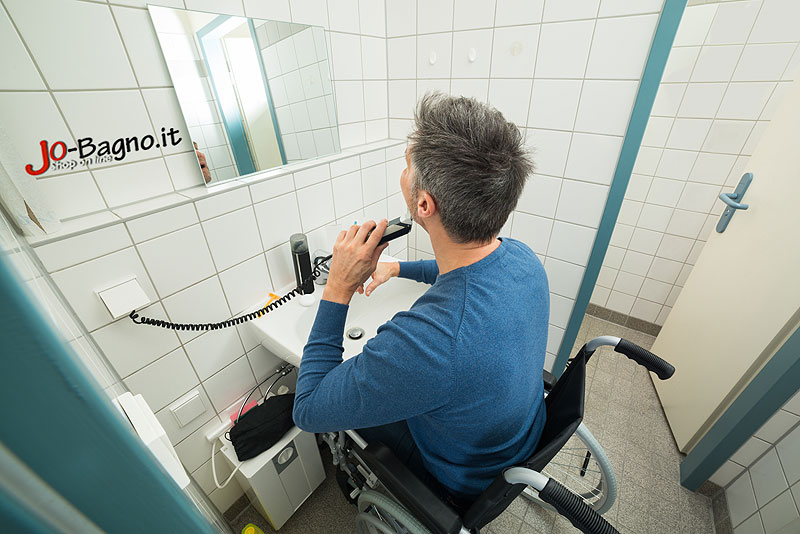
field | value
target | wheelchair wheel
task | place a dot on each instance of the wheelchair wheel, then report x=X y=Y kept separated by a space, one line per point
x=583 y=468
x=379 y=514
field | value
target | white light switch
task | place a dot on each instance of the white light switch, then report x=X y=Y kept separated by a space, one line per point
x=189 y=409
x=123 y=298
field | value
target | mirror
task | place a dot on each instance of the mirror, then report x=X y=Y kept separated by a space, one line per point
x=255 y=94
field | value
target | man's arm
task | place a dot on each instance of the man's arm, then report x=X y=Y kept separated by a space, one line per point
x=402 y=372
x=424 y=271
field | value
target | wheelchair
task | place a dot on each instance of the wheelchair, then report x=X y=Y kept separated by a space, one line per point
x=391 y=500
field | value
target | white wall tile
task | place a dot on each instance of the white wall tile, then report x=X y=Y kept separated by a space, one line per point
x=680 y=64
x=614 y=256
x=550 y=149
x=401 y=18
x=607 y=277
x=676 y=164
x=513 y=12
x=214 y=350
x=698 y=197
x=695 y=25
x=435 y=16
x=186 y=248
x=133 y=182
x=472 y=54
x=733 y=22
x=750 y=526
x=776 y=426
x=42 y=23
x=763 y=62
x=373 y=183
x=402 y=98
x=223 y=203
x=433 y=55
x=280 y=266
x=246 y=284
x=581 y=203
x=225 y=250
x=564 y=277
x=620 y=302
x=612 y=55
x=716 y=63
x=702 y=100
x=774 y=22
x=347 y=195
x=316 y=206
x=540 y=196
x=164 y=380
x=578 y=9
x=674 y=247
x=688 y=134
x=605 y=106
x=600 y=296
x=787 y=451
x=376 y=104
x=570 y=242
x=68 y=252
x=162 y=223
x=554 y=104
x=628 y=283
x=477 y=89
x=727 y=136
x=142 y=46
x=230 y=383
x=727 y=472
x=79 y=283
x=278 y=218
x=373 y=18
x=767 y=476
x=750 y=451
x=343 y=16
x=645 y=241
x=647 y=160
x=636 y=263
x=779 y=513
x=564 y=49
x=645 y=310
x=629 y=212
x=712 y=168
x=533 y=231
x=344 y=48
x=129 y=346
x=593 y=158
x=686 y=223
x=638 y=187
x=668 y=99
x=741 y=499
x=514 y=51
x=184 y=170
x=656 y=132
x=201 y=303
x=745 y=100
x=402 y=57
x=469 y=14
x=511 y=97
x=16 y=59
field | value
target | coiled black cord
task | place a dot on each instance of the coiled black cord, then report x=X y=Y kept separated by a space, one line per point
x=236 y=320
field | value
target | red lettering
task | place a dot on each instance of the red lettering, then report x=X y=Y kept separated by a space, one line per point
x=45 y=161
x=53 y=151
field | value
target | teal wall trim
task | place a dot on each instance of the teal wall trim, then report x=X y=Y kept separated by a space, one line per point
x=769 y=390
x=59 y=422
x=654 y=68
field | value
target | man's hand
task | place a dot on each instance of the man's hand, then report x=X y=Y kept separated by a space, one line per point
x=354 y=259
x=383 y=272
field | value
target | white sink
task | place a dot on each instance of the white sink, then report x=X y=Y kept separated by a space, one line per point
x=284 y=331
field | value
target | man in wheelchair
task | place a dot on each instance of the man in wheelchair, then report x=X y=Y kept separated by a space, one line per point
x=446 y=385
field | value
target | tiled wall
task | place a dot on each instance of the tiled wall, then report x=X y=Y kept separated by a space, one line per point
x=728 y=68
x=296 y=64
x=762 y=479
x=206 y=260
x=84 y=68
x=566 y=73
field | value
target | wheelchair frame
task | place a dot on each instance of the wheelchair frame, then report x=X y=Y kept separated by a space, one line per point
x=347 y=445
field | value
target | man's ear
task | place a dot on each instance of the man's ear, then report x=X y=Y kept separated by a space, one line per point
x=426 y=205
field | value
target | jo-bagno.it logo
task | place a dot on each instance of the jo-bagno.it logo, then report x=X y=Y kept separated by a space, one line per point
x=89 y=152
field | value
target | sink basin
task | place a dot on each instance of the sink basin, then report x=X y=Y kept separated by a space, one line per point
x=284 y=331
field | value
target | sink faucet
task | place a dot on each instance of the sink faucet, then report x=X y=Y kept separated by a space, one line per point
x=324 y=266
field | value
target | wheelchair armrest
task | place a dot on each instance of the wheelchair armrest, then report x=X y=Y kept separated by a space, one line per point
x=549 y=380
x=415 y=496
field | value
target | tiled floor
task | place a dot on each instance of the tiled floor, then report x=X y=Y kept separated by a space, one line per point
x=623 y=413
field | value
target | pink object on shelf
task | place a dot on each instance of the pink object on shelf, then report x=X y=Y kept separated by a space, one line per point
x=251 y=404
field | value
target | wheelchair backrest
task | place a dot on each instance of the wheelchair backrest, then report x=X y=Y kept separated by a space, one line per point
x=564 y=412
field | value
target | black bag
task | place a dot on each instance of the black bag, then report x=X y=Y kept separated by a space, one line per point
x=262 y=427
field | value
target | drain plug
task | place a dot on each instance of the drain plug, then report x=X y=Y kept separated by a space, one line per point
x=355 y=333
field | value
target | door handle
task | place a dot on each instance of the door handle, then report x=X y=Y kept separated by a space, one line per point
x=730 y=200
x=733 y=201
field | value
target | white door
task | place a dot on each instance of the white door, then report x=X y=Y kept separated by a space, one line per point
x=743 y=295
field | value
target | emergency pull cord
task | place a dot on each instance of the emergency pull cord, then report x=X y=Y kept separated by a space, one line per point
x=136 y=318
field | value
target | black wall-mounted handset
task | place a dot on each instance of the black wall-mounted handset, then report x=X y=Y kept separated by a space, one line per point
x=396 y=228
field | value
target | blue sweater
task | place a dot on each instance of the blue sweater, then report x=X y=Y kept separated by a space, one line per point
x=463 y=367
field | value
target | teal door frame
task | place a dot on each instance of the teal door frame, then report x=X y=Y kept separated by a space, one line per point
x=61 y=424
x=651 y=78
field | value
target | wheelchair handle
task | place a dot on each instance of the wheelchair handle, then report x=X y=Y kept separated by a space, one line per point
x=636 y=353
x=580 y=514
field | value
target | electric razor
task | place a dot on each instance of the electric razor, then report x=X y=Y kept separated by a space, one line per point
x=397 y=228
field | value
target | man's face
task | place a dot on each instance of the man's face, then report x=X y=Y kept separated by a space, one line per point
x=406 y=179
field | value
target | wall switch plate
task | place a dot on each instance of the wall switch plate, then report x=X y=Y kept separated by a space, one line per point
x=122 y=299
x=189 y=408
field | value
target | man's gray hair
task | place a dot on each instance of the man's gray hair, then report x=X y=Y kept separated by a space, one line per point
x=471 y=160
